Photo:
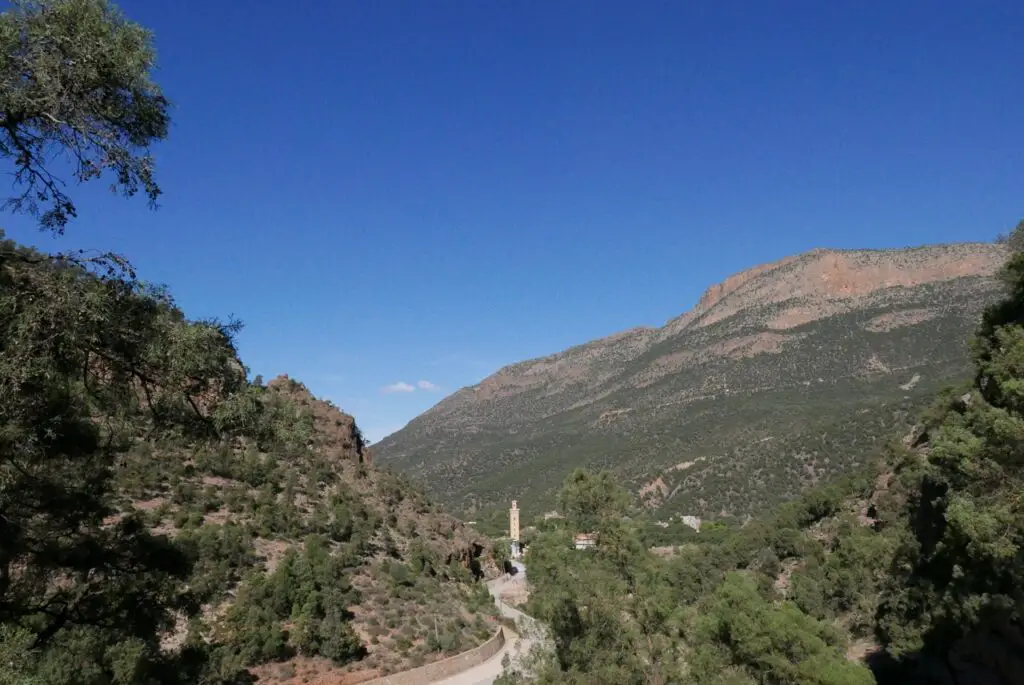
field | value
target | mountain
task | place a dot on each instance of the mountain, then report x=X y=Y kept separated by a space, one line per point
x=905 y=571
x=780 y=376
x=165 y=520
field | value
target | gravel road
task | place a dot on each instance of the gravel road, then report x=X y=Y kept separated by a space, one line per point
x=487 y=672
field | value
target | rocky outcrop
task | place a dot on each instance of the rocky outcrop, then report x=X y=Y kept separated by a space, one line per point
x=338 y=432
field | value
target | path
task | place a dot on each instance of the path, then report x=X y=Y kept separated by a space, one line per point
x=488 y=671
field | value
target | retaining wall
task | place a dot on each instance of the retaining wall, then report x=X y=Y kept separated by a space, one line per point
x=445 y=668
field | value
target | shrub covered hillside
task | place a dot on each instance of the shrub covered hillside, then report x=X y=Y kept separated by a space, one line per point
x=910 y=571
x=164 y=520
x=782 y=377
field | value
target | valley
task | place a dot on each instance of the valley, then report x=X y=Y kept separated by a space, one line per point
x=812 y=477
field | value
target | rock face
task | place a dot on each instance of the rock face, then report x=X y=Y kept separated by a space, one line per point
x=779 y=376
x=340 y=436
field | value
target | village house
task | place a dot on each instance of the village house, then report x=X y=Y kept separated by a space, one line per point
x=583 y=541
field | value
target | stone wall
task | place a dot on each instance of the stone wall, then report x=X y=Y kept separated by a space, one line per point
x=445 y=668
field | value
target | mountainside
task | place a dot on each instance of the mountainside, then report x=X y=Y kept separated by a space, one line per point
x=780 y=376
x=405 y=569
x=904 y=571
x=165 y=521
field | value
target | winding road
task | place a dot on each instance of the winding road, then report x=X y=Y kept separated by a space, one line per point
x=515 y=645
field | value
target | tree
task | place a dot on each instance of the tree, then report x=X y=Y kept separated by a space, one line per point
x=86 y=366
x=744 y=639
x=959 y=570
x=1014 y=239
x=76 y=83
x=611 y=617
x=88 y=361
x=587 y=499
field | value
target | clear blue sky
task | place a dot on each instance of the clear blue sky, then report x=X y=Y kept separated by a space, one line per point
x=415 y=191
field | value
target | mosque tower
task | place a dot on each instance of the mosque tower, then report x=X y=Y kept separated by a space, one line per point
x=513 y=522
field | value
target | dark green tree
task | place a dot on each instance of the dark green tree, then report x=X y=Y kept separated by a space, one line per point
x=1013 y=239
x=742 y=639
x=588 y=500
x=86 y=366
x=90 y=362
x=957 y=577
x=611 y=616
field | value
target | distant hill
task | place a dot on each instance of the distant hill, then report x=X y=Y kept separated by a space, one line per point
x=782 y=375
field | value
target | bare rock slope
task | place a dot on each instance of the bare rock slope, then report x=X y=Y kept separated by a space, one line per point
x=780 y=375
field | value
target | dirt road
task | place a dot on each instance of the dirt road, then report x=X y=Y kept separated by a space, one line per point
x=515 y=645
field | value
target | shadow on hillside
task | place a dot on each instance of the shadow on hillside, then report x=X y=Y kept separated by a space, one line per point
x=988 y=657
x=475 y=567
x=917 y=669
x=890 y=671
x=192 y=663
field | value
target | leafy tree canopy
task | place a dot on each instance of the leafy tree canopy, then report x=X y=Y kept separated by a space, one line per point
x=75 y=91
x=587 y=500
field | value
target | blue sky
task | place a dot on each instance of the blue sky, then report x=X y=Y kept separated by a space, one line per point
x=395 y=192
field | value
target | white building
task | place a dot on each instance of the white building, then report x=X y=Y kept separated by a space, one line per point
x=583 y=541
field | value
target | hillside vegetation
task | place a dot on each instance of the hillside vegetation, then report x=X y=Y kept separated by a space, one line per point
x=781 y=377
x=155 y=500
x=907 y=571
x=162 y=518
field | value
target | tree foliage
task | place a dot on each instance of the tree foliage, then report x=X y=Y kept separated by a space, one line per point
x=743 y=638
x=75 y=90
x=619 y=614
x=85 y=365
x=588 y=500
x=103 y=384
x=609 y=612
x=960 y=569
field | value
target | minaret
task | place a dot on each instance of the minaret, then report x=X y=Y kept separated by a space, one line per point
x=513 y=522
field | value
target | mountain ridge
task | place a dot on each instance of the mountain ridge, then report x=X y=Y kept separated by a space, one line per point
x=758 y=331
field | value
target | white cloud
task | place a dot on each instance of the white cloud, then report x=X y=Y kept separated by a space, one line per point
x=400 y=386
